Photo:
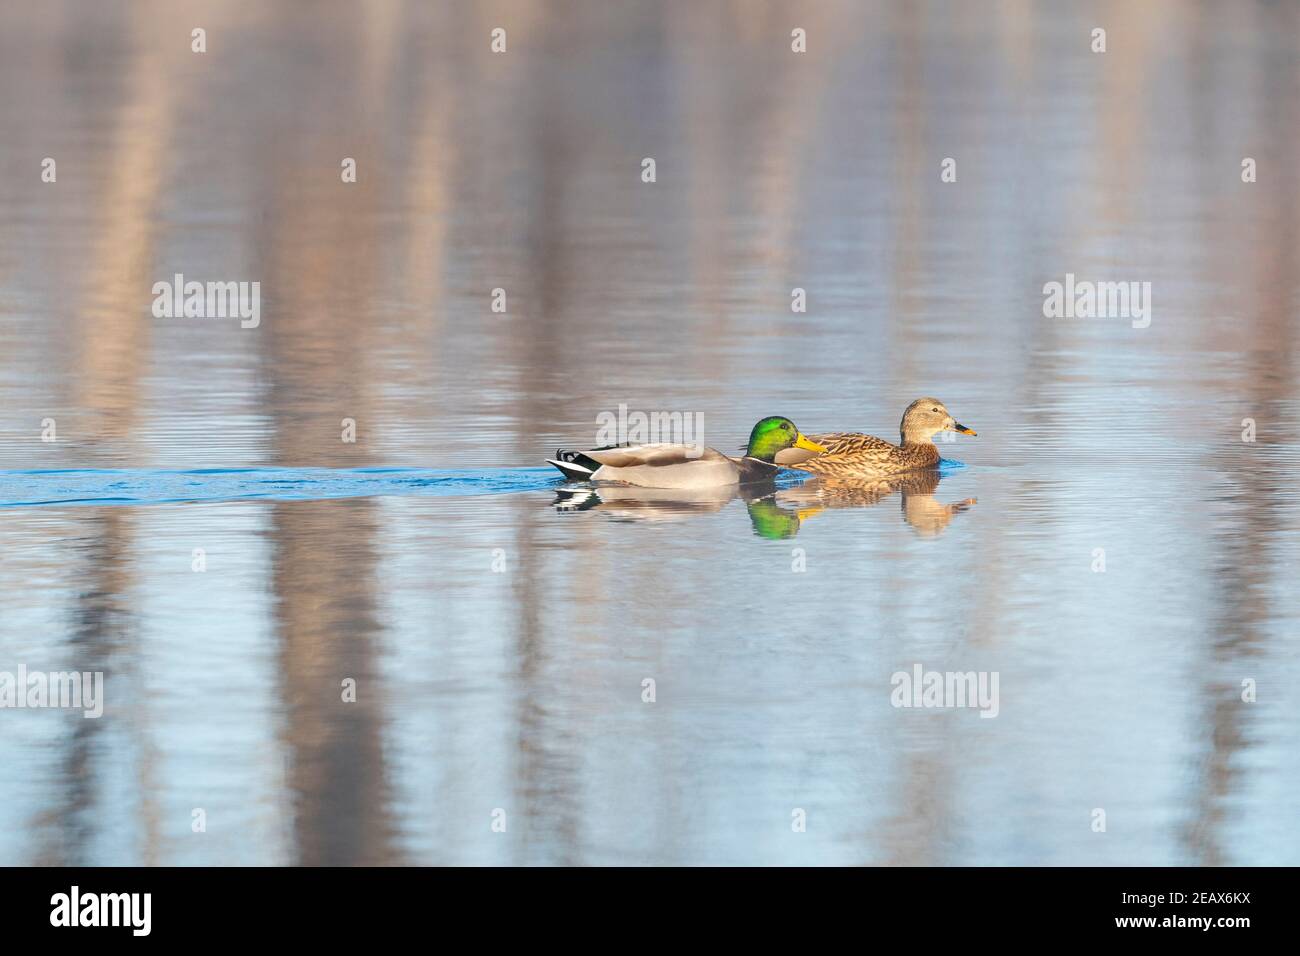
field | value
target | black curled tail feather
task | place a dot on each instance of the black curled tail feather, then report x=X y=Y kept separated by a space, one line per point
x=574 y=465
x=577 y=458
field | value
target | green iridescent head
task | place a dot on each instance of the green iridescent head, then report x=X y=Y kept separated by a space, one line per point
x=775 y=434
x=771 y=521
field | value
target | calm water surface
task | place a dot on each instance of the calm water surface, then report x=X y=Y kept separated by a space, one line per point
x=498 y=631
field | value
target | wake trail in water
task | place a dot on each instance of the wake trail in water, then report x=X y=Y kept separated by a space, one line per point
x=151 y=487
x=138 y=486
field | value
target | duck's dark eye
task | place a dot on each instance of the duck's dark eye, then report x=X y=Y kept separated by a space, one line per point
x=785 y=425
x=934 y=409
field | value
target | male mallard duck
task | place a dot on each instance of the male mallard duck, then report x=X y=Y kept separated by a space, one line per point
x=686 y=466
x=850 y=455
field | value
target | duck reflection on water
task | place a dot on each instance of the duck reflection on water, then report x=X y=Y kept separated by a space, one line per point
x=776 y=512
x=921 y=510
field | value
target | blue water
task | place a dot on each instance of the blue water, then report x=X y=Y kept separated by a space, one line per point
x=1121 y=549
x=145 y=486
x=153 y=487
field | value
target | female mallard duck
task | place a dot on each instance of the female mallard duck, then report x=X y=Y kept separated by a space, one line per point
x=687 y=466
x=849 y=455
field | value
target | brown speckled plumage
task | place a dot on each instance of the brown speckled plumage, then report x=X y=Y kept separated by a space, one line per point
x=860 y=456
x=851 y=455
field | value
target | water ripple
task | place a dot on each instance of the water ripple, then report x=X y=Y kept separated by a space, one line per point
x=149 y=486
